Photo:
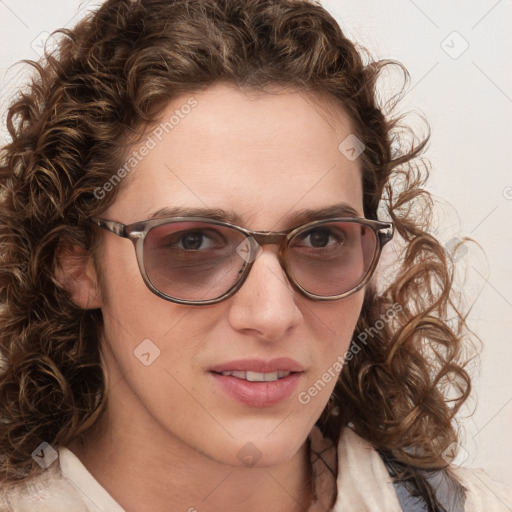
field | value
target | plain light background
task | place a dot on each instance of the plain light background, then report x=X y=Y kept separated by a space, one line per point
x=458 y=55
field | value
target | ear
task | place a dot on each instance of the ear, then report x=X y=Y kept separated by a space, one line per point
x=76 y=273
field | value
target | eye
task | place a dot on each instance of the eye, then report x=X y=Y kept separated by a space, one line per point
x=194 y=241
x=198 y=240
x=321 y=237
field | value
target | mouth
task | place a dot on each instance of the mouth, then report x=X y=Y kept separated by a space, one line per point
x=256 y=376
x=256 y=382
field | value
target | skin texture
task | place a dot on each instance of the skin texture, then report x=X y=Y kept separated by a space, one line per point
x=172 y=435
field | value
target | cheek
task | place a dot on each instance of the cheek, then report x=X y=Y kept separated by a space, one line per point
x=141 y=327
x=127 y=302
x=334 y=325
x=334 y=322
x=149 y=351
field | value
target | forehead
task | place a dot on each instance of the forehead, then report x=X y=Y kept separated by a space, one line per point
x=260 y=155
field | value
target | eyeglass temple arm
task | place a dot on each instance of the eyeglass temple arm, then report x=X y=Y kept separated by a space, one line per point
x=386 y=233
x=110 y=225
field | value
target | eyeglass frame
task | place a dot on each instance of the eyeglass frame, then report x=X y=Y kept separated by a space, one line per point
x=136 y=232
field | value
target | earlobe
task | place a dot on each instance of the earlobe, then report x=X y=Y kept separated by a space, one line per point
x=76 y=273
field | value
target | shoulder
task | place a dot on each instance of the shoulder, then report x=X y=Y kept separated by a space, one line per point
x=482 y=493
x=49 y=491
x=364 y=483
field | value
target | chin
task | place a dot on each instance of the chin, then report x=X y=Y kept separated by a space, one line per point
x=261 y=447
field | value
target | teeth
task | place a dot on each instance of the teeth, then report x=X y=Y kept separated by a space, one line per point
x=257 y=376
x=237 y=374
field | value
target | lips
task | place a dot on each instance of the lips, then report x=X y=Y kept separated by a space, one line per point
x=258 y=383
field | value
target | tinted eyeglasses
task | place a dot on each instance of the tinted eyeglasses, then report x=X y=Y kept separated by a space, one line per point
x=199 y=261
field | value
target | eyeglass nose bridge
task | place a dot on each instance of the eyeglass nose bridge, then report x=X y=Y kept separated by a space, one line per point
x=269 y=237
x=251 y=246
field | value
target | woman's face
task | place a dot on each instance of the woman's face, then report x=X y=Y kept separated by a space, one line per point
x=264 y=157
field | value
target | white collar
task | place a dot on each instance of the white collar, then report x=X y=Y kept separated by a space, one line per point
x=95 y=497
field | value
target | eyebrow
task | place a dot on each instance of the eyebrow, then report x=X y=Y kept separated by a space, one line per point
x=296 y=218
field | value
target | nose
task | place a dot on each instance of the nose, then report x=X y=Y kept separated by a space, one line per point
x=266 y=304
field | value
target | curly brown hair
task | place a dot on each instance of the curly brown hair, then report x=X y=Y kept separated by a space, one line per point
x=91 y=98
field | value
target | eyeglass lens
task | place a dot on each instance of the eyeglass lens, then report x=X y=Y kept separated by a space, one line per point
x=200 y=261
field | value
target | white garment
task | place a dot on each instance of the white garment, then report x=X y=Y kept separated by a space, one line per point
x=66 y=486
x=363 y=485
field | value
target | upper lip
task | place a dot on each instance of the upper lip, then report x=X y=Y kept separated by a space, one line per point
x=260 y=365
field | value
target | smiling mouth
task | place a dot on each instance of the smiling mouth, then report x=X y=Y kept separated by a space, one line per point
x=256 y=376
x=257 y=383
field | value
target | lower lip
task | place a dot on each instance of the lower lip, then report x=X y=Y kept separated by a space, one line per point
x=258 y=394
